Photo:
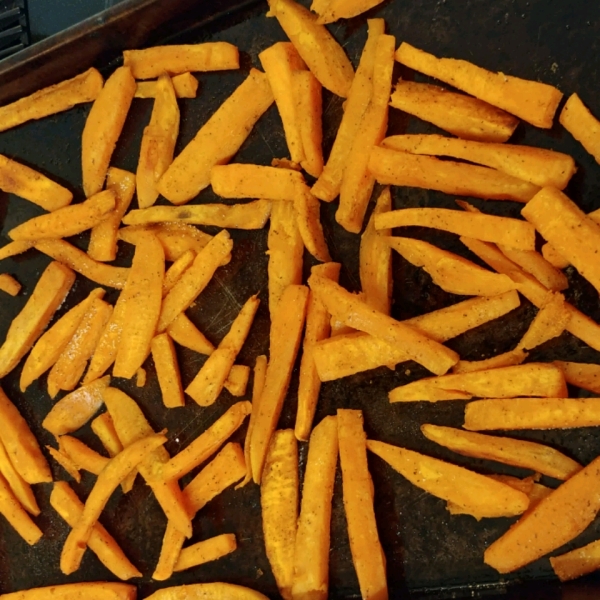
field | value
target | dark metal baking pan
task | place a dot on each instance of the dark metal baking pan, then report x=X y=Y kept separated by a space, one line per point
x=429 y=553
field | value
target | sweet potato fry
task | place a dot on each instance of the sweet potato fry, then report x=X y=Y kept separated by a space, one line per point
x=14 y=248
x=581 y=374
x=74 y=591
x=553 y=257
x=186 y=334
x=344 y=9
x=207 y=591
x=536 y=165
x=103 y=128
x=15 y=514
x=218 y=139
x=279 y=507
x=308 y=210
x=65 y=461
x=532 y=413
x=237 y=380
x=317 y=47
x=167 y=370
x=309 y=108
x=286 y=330
x=66 y=503
x=208 y=382
x=358 y=181
x=103 y=238
x=577 y=119
x=140 y=377
x=519 y=453
x=215 y=254
x=532 y=379
x=463 y=116
x=152 y=62
x=185 y=85
x=328 y=184
x=176 y=270
x=83 y=457
x=545 y=528
x=311 y=555
x=76 y=409
x=251 y=215
x=535 y=264
x=390 y=167
x=223 y=471
x=49 y=293
x=578 y=562
x=367 y=554
x=62 y=96
x=20 y=488
x=205 y=551
x=9 y=285
x=531 y=101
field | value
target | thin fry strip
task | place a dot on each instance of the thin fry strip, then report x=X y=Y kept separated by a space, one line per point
x=176 y=270
x=309 y=110
x=205 y=551
x=83 y=457
x=65 y=461
x=167 y=371
x=185 y=84
x=577 y=119
x=15 y=514
x=20 y=488
x=308 y=210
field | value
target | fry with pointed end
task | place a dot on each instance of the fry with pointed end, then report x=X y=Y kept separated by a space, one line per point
x=344 y=9
x=205 y=551
x=167 y=370
x=20 y=488
x=186 y=334
x=308 y=213
x=578 y=120
x=207 y=591
x=176 y=270
x=185 y=84
x=65 y=461
x=82 y=456
x=9 y=284
x=74 y=591
x=309 y=109
x=15 y=514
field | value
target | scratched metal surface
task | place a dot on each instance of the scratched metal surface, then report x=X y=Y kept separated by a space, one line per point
x=429 y=553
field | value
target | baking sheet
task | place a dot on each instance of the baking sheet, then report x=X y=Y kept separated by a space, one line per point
x=428 y=551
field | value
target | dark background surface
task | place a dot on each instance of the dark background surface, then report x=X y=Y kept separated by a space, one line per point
x=429 y=552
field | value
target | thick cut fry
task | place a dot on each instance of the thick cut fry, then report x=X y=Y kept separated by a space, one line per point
x=519 y=453
x=131 y=426
x=76 y=409
x=581 y=374
x=545 y=528
x=463 y=116
x=311 y=555
x=208 y=382
x=533 y=379
x=103 y=238
x=531 y=101
x=158 y=142
x=344 y=9
x=82 y=456
x=577 y=119
x=309 y=109
x=80 y=262
x=237 y=380
x=286 y=331
x=176 y=270
x=550 y=321
x=215 y=254
x=578 y=562
x=308 y=210
x=532 y=413
x=186 y=334
x=352 y=353
x=367 y=554
x=49 y=293
x=62 y=96
x=390 y=167
x=15 y=514
x=506 y=359
x=185 y=85
x=207 y=591
x=375 y=266
x=103 y=128
x=210 y=56
x=553 y=257
x=280 y=61
x=20 y=488
x=167 y=371
x=113 y=474
x=218 y=139
x=536 y=165
x=513 y=233
x=286 y=250
x=317 y=47
x=66 y=503
x=143 y=306
x=205 y=551
x=358 y=181
x=328 y=185
x=317 y=328
x=570 y=231
x=279 y=506
x=69 y=368
x=474 y=492
x=14 y=248
x=66 y=221
x=75 y=591
x=356 y=313
x=9 y=284
x=223 y=471
x=65 y=461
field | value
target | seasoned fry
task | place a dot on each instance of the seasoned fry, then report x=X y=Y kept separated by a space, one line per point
x=463 y=116
x=578 y=562
x=577 y=119
x=390 y=167
x=343 y=9
x=15 y=514
x=531 y=101
x=82 y=456
x=185 y=85
x=176 y=270
x=279 y=507
x=66 y=503
x=580 y=374
x=153 y=62
x=309 y=109
x=320 y=51
x=311 y=555
x=49 y=293
x=519 y=453
x=65 y=461
x=62 y=96
x=186 y=334
x=9 y=284
x=287 y=324
x=20 y=488
x=367 y=554
x=14 y=248
x=218 y=139
x=308 y=210
x=205 y=551
x=103 y=128
x=103 y=238
x=553 y=257
x=237 y=380
x=73 y=591
x=167 y=371
x=207 y=591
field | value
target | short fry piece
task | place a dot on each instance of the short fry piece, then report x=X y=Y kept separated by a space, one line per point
x=581 y=374
x=205 y=551
x=519 y=453
x=167 y=371
x=279 y=505
x=207 y=591
x=74 y=591
x=15 y=514
x=577 y=119
x=309 y=108
x=237 y=380
x=20 y=488
x=9 y=284
x=550 y=321
x=578 y=562
x=531 y=101
x=186 y=334
x=185 y=84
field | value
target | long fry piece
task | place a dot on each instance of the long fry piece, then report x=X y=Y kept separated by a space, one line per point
x=185 y=84
x=205 y=551
x=186 y=334
x=15 y=514
x=578 y=120
x=309 y=108
x=167 y=370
